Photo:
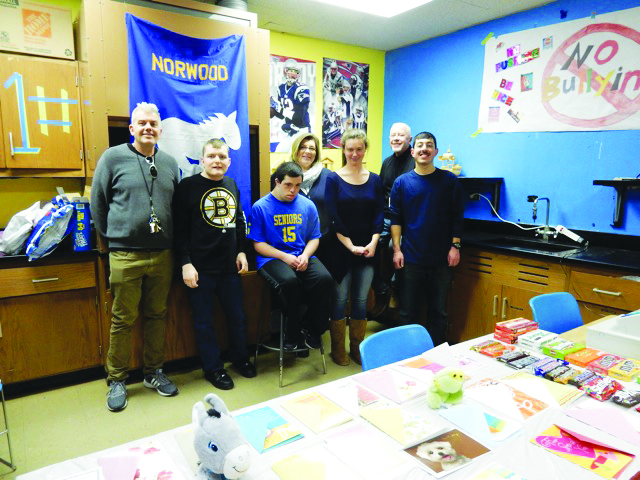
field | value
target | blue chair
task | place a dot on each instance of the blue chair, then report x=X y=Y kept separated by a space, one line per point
x=556 y=312
x=393 y=345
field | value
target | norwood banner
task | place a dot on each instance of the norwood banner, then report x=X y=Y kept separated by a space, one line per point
x=200 y=87
x=581 y=75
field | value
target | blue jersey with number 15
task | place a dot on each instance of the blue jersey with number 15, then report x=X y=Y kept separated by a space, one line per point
x=286 y=226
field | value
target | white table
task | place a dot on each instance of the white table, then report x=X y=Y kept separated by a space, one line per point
x=516 y=453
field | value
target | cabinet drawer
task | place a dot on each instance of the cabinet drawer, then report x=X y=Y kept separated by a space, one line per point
x=15 y=282
x=604 y=290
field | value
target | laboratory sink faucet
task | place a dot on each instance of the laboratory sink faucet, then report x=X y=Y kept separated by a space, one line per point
x=546 y=230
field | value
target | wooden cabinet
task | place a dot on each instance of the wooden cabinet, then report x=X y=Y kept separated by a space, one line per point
x=489 y=287
x=40 y=114
x=48 y=319
x=180 y=333
x=601 y=292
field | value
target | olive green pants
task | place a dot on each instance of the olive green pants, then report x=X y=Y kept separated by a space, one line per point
x=138 y=279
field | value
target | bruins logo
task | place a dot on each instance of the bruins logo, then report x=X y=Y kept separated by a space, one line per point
x=218 y=207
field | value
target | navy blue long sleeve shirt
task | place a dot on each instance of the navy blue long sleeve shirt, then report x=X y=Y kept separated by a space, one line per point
x=430 y=210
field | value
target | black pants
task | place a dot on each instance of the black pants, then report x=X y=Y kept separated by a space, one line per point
x=433 y=284
x=312 y=287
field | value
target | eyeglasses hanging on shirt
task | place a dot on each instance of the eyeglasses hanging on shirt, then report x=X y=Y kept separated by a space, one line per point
x=154 y=221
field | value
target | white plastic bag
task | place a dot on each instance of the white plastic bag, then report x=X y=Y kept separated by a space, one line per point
x=19 y=228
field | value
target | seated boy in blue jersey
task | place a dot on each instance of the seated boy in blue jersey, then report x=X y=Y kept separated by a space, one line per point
x=210 y=237
x=426 y=211
x=285 y=230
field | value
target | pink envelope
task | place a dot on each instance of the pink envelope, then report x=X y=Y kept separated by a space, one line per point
x=608 y=420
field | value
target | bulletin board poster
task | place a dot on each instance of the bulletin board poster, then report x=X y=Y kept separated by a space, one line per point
x=292 y=87
x=581 y=75
x=345 y=90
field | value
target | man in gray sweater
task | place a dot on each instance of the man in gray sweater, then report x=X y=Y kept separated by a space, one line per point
x=131 y=199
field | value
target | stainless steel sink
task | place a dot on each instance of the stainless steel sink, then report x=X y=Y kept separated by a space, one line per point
x=530 y=245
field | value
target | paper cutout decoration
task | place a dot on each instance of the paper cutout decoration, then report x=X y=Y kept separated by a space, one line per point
x=526 y=82
x=584 y=451
x=264 y=429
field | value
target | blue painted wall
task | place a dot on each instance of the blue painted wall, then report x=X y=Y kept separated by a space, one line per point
x=435 y=85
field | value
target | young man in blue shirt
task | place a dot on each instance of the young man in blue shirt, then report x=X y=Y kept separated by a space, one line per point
x=426 y=212
x=285 y=230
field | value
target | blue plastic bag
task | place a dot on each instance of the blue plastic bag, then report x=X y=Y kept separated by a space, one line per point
x=51 y=229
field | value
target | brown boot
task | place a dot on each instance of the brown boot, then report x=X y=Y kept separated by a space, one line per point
x=338 y=350
x=357 y=329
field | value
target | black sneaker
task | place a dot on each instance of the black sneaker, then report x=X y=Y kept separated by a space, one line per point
x=290 y=343
x=116 y=396
x=220 y=379
x=312 y=341
x=245 y=368
x=161 y=383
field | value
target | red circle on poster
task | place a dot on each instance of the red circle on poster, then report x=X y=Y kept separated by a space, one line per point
x=623 y=105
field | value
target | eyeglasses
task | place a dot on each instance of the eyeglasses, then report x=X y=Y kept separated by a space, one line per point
x=311 y=149
x=153 y=171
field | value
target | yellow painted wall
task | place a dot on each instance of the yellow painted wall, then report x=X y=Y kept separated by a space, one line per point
x=315 y=50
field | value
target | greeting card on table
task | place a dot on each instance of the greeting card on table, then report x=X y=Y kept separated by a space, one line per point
x=487 y=427
x=552 y=393
x=447 y=452
x=153 y=463
x=369 y=452
x=408 y=424
x=394 y=385
x=316 y=411
x=264 y=429
x=504 y=398
x=315 y=463
x=495 y=471
x=584 y=451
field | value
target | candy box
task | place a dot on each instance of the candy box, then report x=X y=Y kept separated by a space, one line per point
x=481 y=345
x=584 y=357
x=506 y=338
x=496 y=350
x=559 y=348
x=516 y=325
x=625 y=370
x=536 y=339
x=604 y=363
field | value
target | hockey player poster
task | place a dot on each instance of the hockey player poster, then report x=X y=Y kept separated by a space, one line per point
x=292 y=85
x=200 y=88
x=345 y=88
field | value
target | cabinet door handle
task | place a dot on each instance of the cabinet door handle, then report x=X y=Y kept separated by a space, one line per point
x=504 y=308
x=606 y=292
x=41 y=280
x=13 y=152
x=495 y=305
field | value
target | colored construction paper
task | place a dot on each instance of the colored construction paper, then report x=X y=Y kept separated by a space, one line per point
x=392 y=384
x=488 y=428
x=315 y=463
x=264 y=428
x=552 y=393
x=504 y=398
x=120 y=467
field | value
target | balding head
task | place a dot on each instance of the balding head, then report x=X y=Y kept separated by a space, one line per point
x=400 y=138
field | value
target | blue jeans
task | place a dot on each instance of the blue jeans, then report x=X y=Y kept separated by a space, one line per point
x=433 y=284
x=357 y=280
x=228 y=288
